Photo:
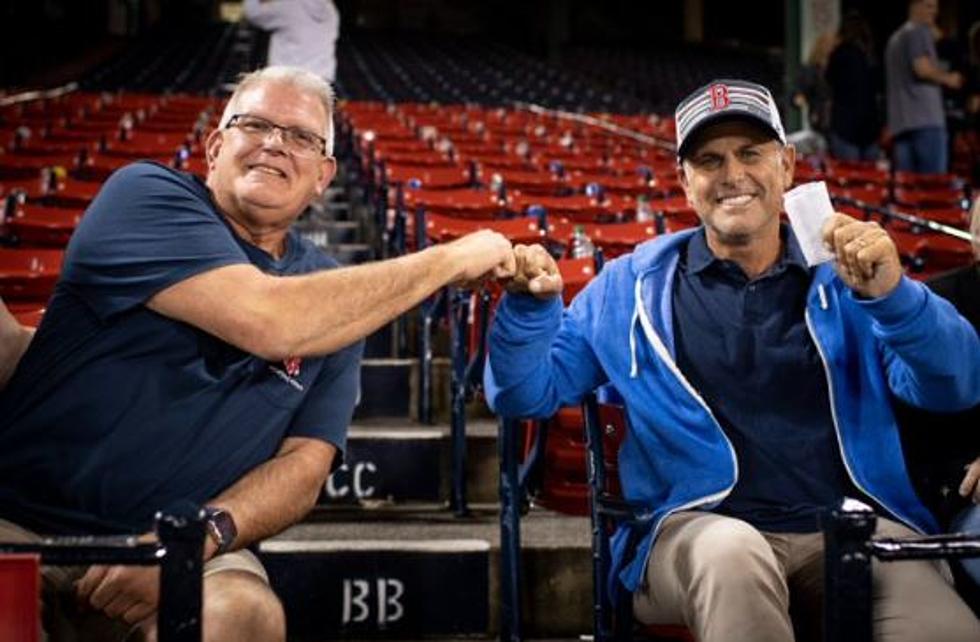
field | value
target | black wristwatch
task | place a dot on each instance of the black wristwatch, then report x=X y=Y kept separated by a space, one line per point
x=221 y=527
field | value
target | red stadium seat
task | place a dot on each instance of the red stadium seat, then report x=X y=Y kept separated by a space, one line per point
x=577 y=207
x=613 y=426
x=428 y=158
x=573 y=162
x=805 y=172
x=72 y=193
x=543 y=183
x=99 y=168
x=461 y=203
x=676 y=208
x=402 y=146
x=498 y=161
x=20 y=584
x=931 y=198
x=941 y=253
x=635 y=184
x=30 y=165
x=868 y=195
x=28 y=314
x=856 y=174
x=917 y=180
x=30 y=187
x=428 y=177
x=39 y=225
x=614 y=239
x=564 y=487
x=575 y=274
x=952 y=216
x=28 y=274
x=441 y=229
x=930 y=252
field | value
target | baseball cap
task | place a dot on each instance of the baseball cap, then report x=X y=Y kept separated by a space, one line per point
x=723 y=99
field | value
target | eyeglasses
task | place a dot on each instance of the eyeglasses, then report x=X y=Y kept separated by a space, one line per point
x=299 y=141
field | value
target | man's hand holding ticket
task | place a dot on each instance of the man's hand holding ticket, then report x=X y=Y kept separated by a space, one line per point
x=866 y=257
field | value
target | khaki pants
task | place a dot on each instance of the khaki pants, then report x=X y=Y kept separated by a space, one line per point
x=65 y=620
x=728 y=582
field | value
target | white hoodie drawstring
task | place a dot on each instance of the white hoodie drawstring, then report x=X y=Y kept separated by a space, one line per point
x=637 y=302
x=634 y=368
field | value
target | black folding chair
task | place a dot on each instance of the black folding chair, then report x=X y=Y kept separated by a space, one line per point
x=178 y=553
x=849 y=548
x=606 y=426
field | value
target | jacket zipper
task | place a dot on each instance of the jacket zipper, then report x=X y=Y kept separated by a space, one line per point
x=661 y=350
x=833 y=416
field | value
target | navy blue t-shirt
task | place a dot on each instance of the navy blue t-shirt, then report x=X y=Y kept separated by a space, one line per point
x=744 y=345
x=115 y=411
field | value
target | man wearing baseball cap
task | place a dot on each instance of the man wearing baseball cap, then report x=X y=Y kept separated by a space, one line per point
x=757 y=390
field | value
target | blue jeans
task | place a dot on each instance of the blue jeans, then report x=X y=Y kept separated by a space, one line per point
x=968 y=521
x=922 y=150
x=846 y=151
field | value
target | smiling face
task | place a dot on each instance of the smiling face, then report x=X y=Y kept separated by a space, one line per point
x=734 y=176
x=257 y=183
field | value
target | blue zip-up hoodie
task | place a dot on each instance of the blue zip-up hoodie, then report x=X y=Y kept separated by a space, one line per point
x=675 y=456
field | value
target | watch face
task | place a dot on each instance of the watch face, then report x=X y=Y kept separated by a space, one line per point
x=222 y=528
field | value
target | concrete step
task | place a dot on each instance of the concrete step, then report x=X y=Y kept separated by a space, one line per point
x=379 y=344
x=390 y=388
x=407 y=575
x=394 y=461
x=386 y=388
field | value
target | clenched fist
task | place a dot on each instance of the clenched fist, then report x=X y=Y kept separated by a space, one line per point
x=867 y=259
x=535 y=272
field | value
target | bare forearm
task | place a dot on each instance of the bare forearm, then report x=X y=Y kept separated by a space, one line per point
x=927 y=70
x=275 y=317
x=321 y=313
x=275 y=495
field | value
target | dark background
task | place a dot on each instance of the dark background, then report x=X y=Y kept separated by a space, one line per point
x=43 y=42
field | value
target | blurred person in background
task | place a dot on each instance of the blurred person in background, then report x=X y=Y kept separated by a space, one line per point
x=302 y=33
x=855 y=123
x=914 y=81
x=812 y=96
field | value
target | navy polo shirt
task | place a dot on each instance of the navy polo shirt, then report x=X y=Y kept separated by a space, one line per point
x=744 y=345
x=115 y=411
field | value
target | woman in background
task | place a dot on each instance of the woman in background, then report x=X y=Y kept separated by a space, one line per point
x=855 y=121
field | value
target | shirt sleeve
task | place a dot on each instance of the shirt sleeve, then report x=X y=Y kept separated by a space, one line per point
x=148 y=228
x=932 y=355
x=540 y=358
x=326 y=411
x=920 y=43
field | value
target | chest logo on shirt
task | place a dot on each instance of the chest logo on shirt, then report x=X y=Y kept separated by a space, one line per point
x=292 y=364
x=289 y=371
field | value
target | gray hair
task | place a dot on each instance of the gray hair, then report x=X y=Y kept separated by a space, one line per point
x=300 y=78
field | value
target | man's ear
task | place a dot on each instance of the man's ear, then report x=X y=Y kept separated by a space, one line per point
x=788 y=161
x=328 y=169
x=682 y=177
x=212 y=146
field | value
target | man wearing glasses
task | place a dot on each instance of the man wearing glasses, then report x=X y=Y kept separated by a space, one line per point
x=197 y=349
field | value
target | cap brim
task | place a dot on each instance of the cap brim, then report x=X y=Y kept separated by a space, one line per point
x=730 y=114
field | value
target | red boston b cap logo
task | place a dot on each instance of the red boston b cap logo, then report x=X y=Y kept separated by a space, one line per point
x=719 y=97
